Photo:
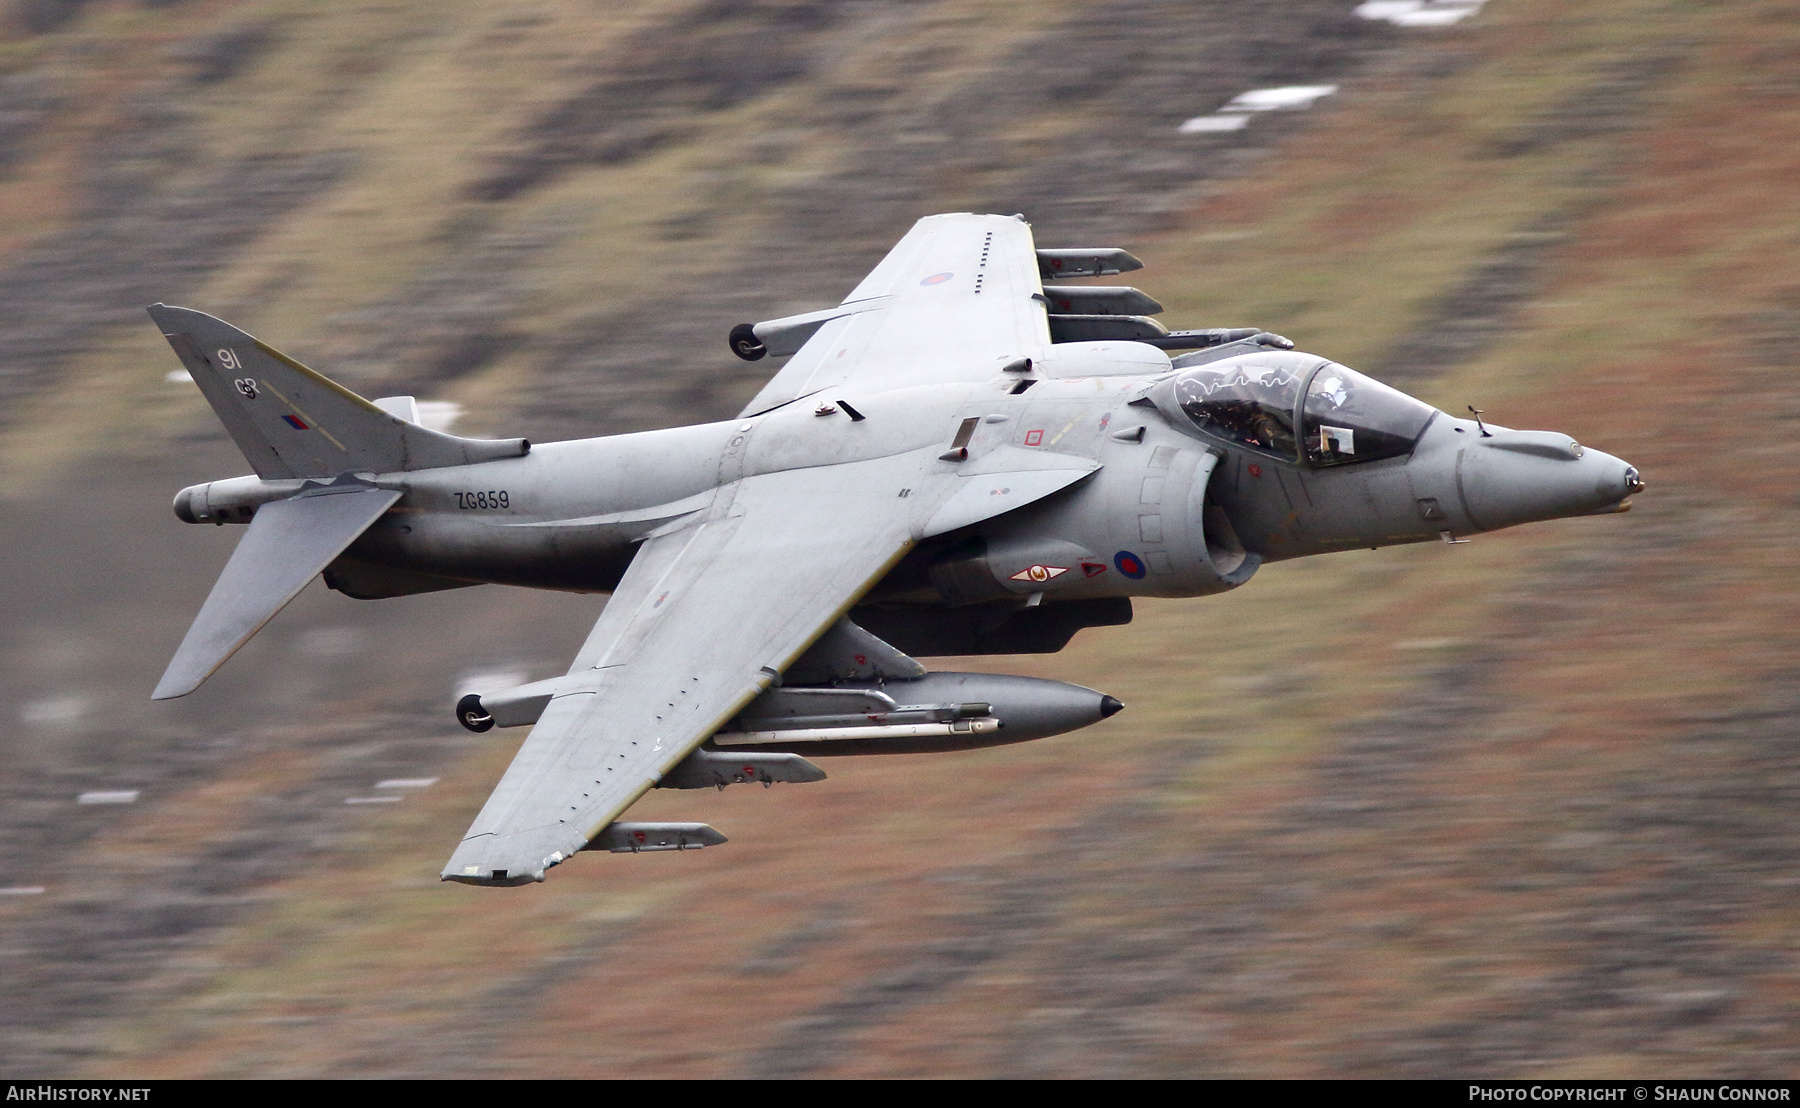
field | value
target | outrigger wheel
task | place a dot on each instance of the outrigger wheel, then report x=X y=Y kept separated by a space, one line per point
x=472 y=715
x=745 y=344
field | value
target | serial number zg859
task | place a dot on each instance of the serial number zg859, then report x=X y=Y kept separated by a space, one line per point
x=489 y=499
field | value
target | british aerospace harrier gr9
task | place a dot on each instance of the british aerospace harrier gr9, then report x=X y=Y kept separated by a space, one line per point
x=958 y=459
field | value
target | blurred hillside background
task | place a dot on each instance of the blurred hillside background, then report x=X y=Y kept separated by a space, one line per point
x=1521 y=807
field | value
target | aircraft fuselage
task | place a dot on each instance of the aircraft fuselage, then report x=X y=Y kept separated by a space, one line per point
x=1172 y=511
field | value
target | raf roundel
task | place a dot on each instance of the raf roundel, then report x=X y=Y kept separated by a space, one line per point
x=1130 y=565
x=937 y=278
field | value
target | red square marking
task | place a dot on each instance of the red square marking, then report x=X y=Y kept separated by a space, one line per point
x=1034 y=438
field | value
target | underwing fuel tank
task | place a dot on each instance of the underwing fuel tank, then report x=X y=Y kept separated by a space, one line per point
x=637 y=838
x=715 y=769
x=939 y=711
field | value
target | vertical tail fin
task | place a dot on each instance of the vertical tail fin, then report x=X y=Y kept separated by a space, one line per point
x=291 y=422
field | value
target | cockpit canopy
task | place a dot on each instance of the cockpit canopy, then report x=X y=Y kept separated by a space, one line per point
x=1255 y=401
x=1249 y=401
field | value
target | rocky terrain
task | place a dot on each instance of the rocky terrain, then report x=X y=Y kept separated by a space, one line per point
x=1517 y=808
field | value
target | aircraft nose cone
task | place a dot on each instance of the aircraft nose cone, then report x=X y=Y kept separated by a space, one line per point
x=1515 y=477
x=1110 y=706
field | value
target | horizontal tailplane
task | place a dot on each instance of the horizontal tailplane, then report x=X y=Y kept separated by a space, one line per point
x=287 y=544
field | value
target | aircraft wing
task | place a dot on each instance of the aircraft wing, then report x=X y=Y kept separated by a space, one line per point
x=704 y=619
x=952 y=301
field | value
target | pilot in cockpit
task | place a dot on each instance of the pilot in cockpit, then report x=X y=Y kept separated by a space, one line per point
x=1347 y=417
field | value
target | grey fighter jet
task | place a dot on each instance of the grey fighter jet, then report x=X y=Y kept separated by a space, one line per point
x=958 y=459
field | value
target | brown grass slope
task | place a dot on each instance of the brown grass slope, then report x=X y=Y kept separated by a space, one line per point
x=1519 y=807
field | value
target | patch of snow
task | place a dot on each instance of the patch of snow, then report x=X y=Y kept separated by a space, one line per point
x=407 y=783
x=114 y=796
x=331 y=642
x=1419 y=13
x=1287 y=98
x=1388 y=9
x=439 y=415
x=1433 y=17
x=178 y=376
x=1235 y=115
x=1202 y=123
x=54 y=711
x=487 y=681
